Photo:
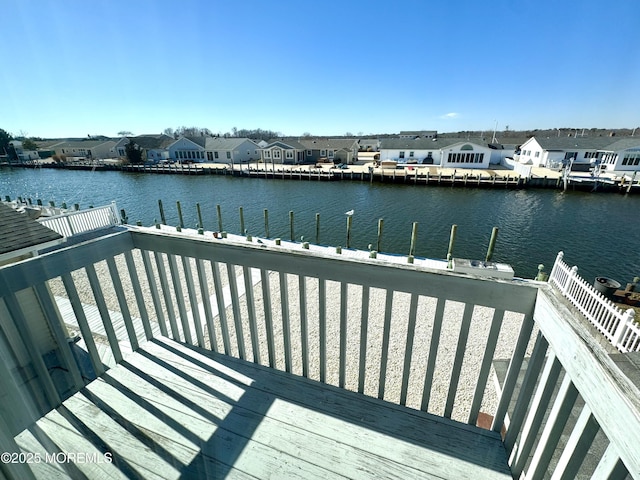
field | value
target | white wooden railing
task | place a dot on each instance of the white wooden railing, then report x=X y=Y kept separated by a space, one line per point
x=618 y=326
x=406 y=334
x=72 y=223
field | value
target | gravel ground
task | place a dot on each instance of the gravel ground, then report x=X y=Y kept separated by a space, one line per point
x=478 y=333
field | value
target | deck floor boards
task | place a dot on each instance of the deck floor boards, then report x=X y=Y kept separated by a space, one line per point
x=171 y=411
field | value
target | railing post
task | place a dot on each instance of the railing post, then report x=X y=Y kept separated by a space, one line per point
x=555 y=265
x=114 y=213
x=621 y=329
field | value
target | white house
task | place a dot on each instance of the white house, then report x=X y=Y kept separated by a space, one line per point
x=446 y=152
x=342 y=150
x=155 y=146
x=611 y=153
x=231 y=150
x=188 y=148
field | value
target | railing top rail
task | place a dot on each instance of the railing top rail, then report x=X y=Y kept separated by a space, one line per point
x=70 y=213
x=516 y=296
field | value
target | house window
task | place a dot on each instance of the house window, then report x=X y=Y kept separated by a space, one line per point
x=215 y=155
x=401 y=154
x=309 y=153
x=210 y=156
x=537 y=154
x=267 y=154
x=570 y=155
x=330 y=153
x=289 y=154
x=228 y=155
x=276 y=154
x=323 y=153
x=410 y=154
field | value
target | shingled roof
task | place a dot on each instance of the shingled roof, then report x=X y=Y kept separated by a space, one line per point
x=18 y=232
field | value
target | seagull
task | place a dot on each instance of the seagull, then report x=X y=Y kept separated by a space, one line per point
x=350 y=212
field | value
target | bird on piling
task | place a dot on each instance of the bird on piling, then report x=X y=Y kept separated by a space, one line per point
x=349 y=213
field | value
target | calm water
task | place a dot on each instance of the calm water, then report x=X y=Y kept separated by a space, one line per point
x=598 y=232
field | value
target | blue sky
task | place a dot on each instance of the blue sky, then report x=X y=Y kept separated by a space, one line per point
x=77 y=68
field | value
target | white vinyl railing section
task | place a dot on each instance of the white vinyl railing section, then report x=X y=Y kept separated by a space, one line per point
x=73 y=223
x=377 y=328
x=618 y=326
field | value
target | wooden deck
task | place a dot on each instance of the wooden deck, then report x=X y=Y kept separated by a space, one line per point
x=176 y=411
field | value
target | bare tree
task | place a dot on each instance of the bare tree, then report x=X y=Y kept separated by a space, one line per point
x=124 y=133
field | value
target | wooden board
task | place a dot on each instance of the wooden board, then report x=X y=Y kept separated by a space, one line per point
x=171 y=410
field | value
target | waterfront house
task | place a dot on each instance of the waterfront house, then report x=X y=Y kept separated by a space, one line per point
x=209 y=357
x=21 y=154
x=610 y=153
x=336 y=150
x=155 y=146
x=445 y=152
x=231 y=150
x=188 y=149
x=86 y=149
x=283 y=151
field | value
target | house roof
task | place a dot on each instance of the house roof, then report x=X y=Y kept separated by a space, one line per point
x=568 y=143
x=624 y=144
x=419 y=133
x=328 y=143
x=423 y=143
x=73 y=144
x=285 y=143
x=222 y=143
x=151 y=142
x=19 y=232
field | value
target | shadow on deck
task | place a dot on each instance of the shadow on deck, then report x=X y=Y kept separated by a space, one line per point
x=172 y=410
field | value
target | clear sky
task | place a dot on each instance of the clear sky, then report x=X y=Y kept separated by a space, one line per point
x=77 y=67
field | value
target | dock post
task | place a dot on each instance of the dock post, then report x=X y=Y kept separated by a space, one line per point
x=492 y=244
x=291 y=225
x=241 y=210
x=76 y=206
x=180 y=220
x=452 y=239
x=380 y=227
x=123 y=217
x=317 y=228
x=266 y=222
x=219 y=213
x=414 y=234
x=38 y=201
x=51 y=202
x=200 y=224
x=349 y=223
x=163 y=220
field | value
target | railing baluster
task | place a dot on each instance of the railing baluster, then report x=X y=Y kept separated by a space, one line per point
x=485 y=368
x=560 y=412
x=304 y=328
x=268 y=316
x=286 y=329
x=193 y=300
x=107 y=322
x=78 y=311
x=166 y=293
x=177 y=290
x=122 y=302
x=411 y=327
x=610 y=466
x=364 y=325
x=433 y=352
x=322 y=327
x=21 y=325
x=222 y=311
x=539 y=405
x=206 y=304
x=536 y=362
x=577 y=446
x=457 y=363
x=513 y=372
x=52 y=317
x=251 y=309
x=153 y=287
x=343 y=334
x=137 y=291
x=235 y=308
x=388 y=306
